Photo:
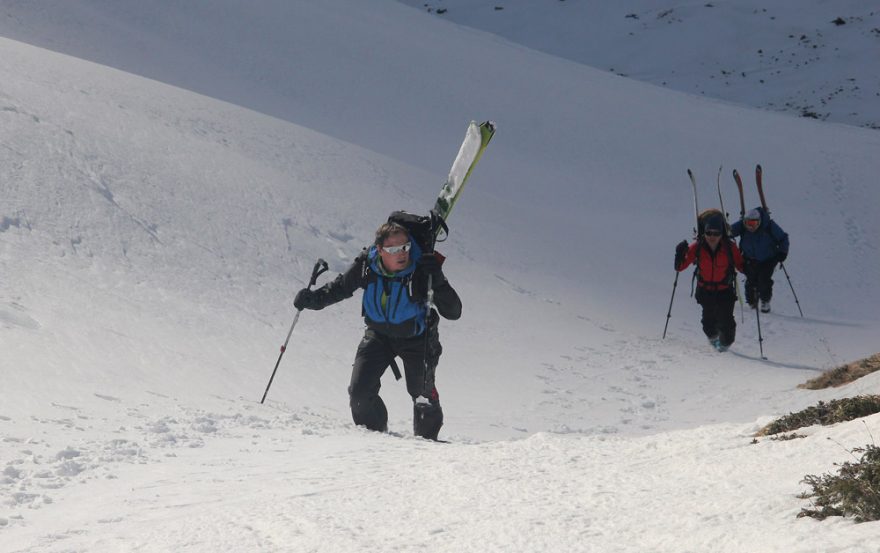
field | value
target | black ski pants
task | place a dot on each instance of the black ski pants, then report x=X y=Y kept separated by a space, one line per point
x=759 y=280
x=718 y=319
x=374 y=355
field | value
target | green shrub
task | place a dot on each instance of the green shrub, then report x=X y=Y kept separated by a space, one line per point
x=786 y=437
x=837 y=410
x=853 y=492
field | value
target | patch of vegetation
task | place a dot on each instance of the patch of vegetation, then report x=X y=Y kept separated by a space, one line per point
x=853 y=492
x=837 y=410
x=844 y=374
x=786 y=437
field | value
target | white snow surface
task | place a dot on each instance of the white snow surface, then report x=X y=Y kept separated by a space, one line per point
x=170 y=174
x=803 y=58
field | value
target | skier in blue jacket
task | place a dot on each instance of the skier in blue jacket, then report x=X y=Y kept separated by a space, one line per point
x=393 y=274
x=763 y=244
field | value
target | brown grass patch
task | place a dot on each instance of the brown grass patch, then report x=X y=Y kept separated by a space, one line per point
x=844 y=374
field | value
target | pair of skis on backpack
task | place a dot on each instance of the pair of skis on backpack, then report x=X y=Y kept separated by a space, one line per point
x=739 y=184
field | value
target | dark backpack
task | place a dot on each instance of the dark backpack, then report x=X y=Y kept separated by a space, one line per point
x=424 y=229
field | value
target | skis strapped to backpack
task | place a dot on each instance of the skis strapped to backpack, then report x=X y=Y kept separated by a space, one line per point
x=475 y=141
x=742 y=203
x=730 y=278
x=759 y=181
x=428 y=228
x=425 y=229
x=727 y=223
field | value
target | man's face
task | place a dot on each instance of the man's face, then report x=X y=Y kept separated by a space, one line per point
x=398 y=258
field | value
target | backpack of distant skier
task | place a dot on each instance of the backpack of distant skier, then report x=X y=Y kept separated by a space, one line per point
x=424 y=229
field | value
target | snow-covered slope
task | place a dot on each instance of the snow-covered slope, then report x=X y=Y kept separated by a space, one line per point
x=809 y=59
x=153 y=238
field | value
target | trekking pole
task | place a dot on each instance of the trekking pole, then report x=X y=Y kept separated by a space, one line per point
x=320 y=267
x=669 y=313
x=742 y=309
x=792 y=288
x=760 y=338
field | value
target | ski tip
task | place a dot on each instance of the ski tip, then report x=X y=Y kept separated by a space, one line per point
x=487 y=131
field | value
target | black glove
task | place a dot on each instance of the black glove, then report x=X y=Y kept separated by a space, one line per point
x=680 y=251
x=306 y=299
x=430 y=265
x=781 y=256
x=749 y=265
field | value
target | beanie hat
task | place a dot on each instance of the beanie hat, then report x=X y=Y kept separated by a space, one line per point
x=752 y=220
x=714 y=221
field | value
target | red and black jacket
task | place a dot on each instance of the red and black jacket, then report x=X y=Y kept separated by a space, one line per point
x=714 y=270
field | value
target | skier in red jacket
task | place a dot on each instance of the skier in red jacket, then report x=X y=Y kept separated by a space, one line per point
x=717 y=259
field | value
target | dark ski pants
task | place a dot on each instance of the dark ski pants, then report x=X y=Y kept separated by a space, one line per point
x=759 y=280
x=718 y=319
x=374 y=356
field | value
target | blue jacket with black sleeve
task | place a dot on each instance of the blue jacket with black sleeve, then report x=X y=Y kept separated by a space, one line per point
x=393 y=304
x=763 y=244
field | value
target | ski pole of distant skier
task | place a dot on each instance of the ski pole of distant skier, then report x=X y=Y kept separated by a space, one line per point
x=320 y=267
x=760 y=337
x=669 y=313
x=792 y=288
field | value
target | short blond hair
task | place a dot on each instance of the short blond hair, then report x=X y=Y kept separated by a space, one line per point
x=386 y=230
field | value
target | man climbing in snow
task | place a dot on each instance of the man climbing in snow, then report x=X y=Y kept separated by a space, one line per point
x=763 y=244
x=717 y=259
x=394 y=274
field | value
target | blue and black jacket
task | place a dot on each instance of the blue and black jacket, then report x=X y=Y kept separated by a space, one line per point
x=763 y=244
x=393 y=304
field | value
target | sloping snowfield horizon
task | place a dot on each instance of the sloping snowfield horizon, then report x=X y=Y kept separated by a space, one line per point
x=152 y=240
x=807 y=60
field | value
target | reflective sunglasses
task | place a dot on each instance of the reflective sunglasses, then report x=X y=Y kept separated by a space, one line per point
x=752 y=224
x=712 y=233
x=397 y=249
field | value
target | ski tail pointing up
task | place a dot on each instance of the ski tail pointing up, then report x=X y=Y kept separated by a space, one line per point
x=475 y=141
